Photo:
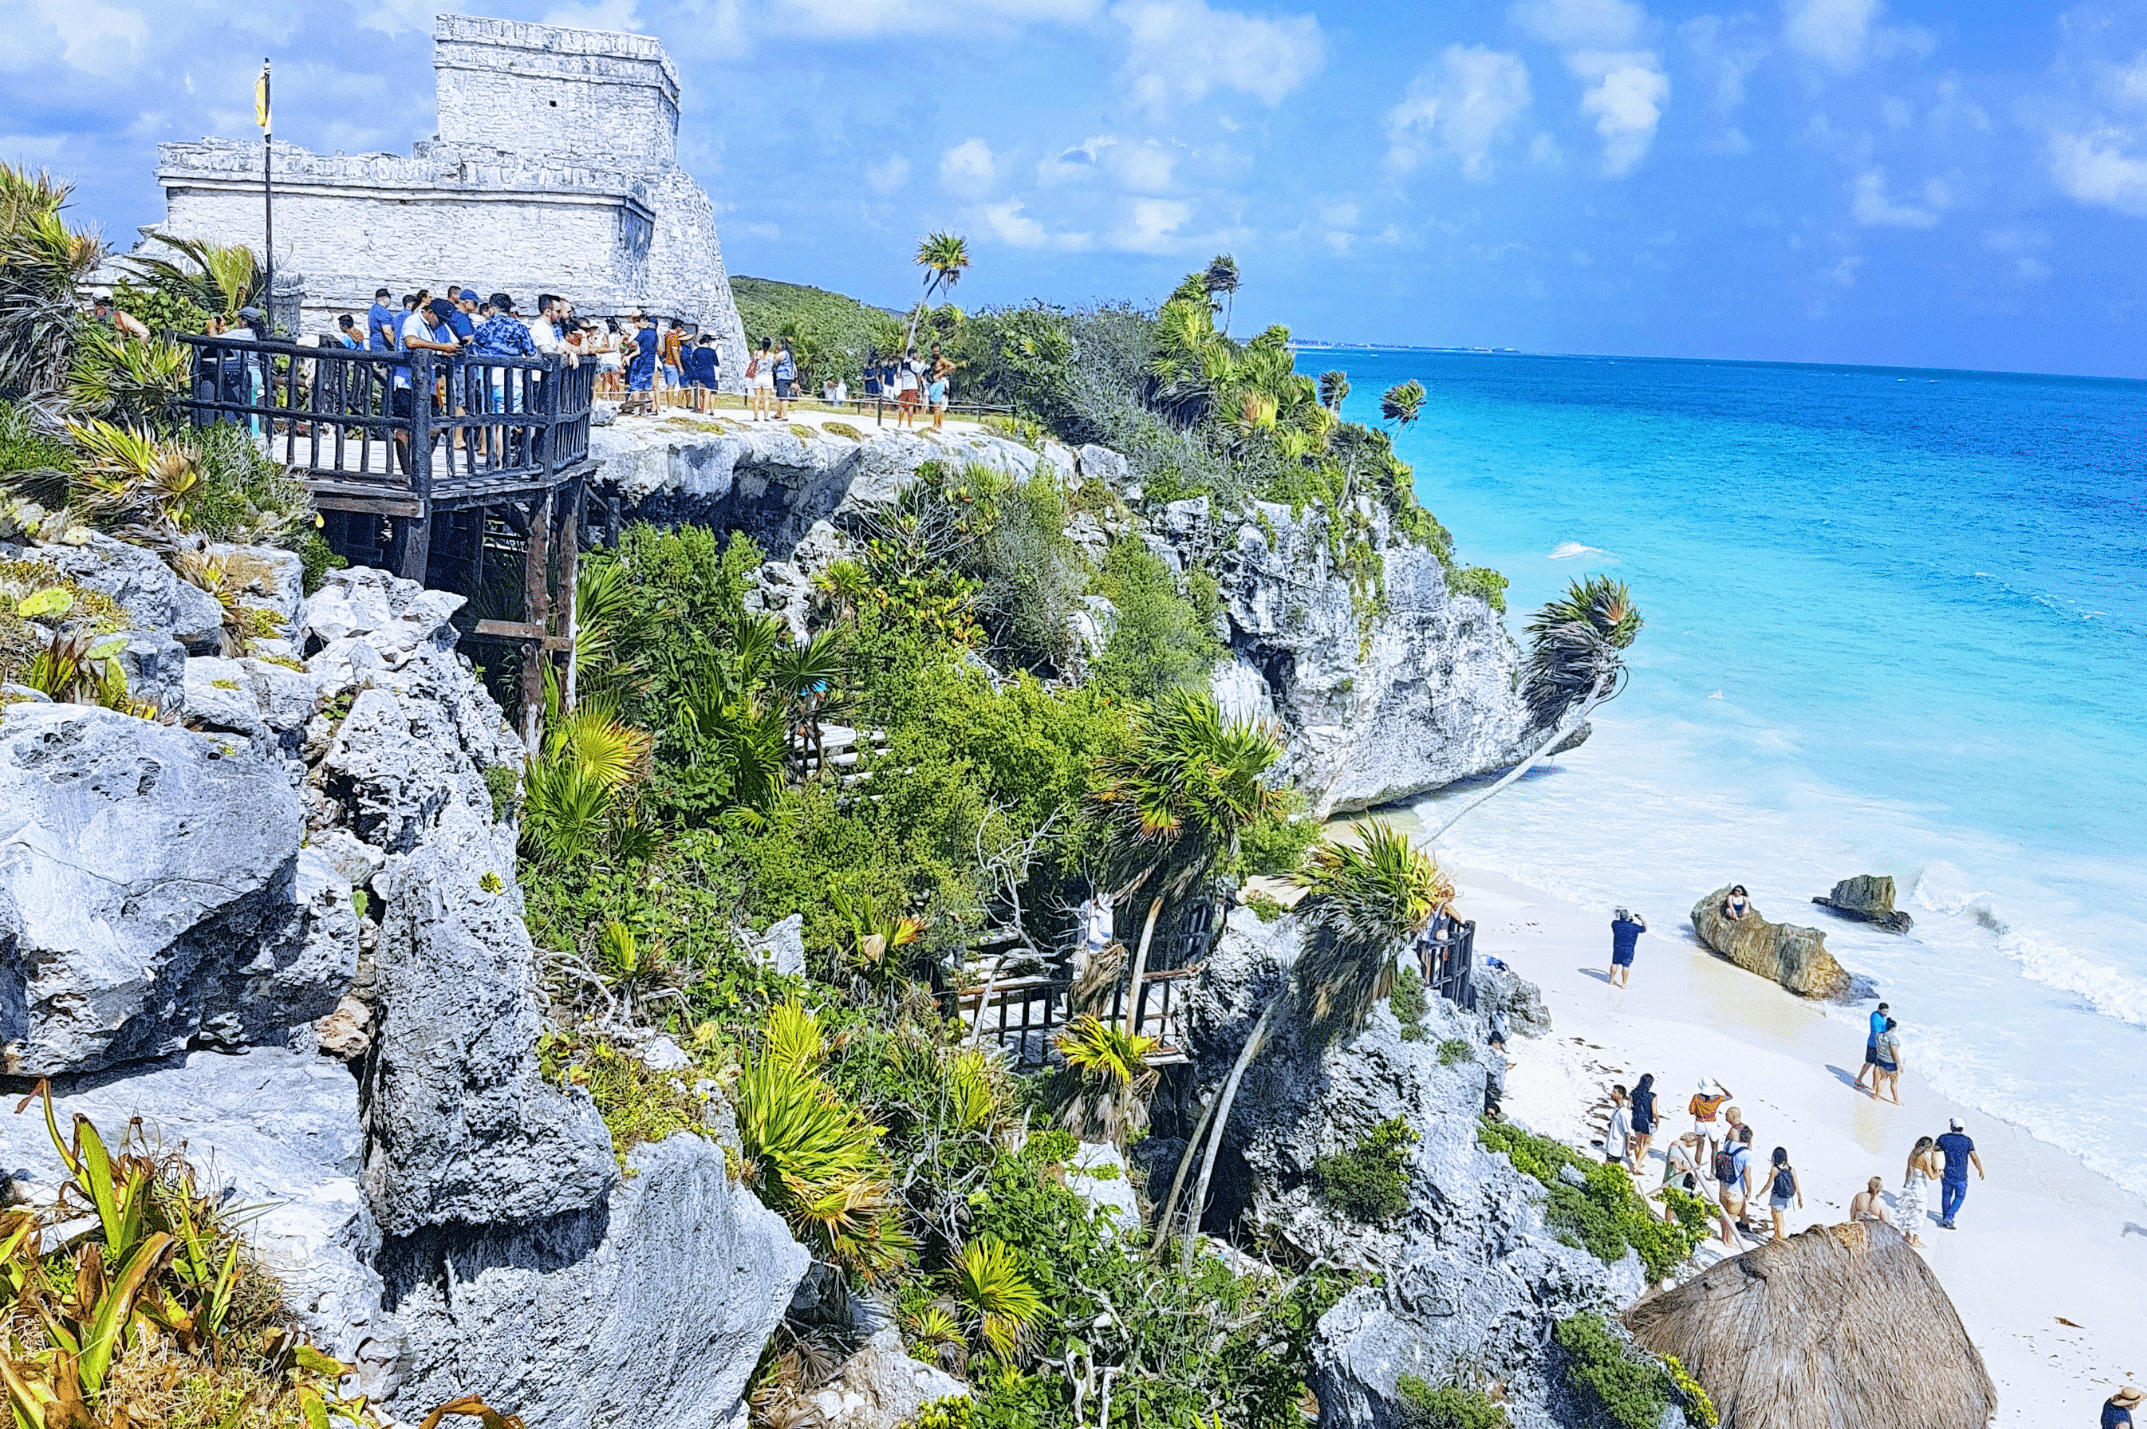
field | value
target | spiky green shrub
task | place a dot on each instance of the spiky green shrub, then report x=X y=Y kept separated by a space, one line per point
x=1001 y=1302
x=1606 y=1215
x=1113 y=1080
x=1407 y=1002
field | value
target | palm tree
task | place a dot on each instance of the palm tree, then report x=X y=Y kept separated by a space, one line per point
x=1576 y=661
x=223 y=278
x=1182 y=796
x=1363 y=905
x=43 y=264
x=1115 y=1080
x=803 y=676
x=1400 y=403
x=943 y=256
x=1222 y=277
x=1334 y=390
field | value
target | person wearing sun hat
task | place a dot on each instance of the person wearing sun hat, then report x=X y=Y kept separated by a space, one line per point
x=2117 y=1409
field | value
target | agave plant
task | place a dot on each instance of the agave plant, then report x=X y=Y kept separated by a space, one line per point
x=138 y=382
x=1114 y=1080
x=128 y=477
x=82 y=668
x=874 y=934
x=639 y=972
x=814 y=1159
x=1001 y=1303
x=43 y=265
x=1576 y=661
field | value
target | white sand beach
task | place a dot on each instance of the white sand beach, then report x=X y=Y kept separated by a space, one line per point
x=2048 y=1266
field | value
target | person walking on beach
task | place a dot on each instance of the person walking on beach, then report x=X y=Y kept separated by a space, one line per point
x=1886 y=1064
x=1871 y=1044
x=1618 y=1136
x=2117 y=1409
x=1733 y=1183
x=1705 y=1106
x=1644 y=1119
x=1960 y=1154
x=1782 y=1188
x=1869 y=1204
x=1922 y=1171
x=1625 y=930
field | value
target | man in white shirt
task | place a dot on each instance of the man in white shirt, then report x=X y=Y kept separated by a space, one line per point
x=1618 y=1136
x=544 y=332
x=416 y=333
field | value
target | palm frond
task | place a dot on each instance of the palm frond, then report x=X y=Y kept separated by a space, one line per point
x=1364 y=902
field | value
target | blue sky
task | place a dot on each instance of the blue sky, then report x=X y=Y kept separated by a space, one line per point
x=1873 y=181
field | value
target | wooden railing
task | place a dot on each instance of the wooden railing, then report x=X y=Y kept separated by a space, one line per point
x=394 y=433
x=1023 y=1015
x=1453 y=963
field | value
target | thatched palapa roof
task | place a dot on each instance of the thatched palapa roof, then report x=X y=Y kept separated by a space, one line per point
x=1841 y=1325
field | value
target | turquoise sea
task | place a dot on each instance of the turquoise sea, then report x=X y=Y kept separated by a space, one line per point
x=1896 y=623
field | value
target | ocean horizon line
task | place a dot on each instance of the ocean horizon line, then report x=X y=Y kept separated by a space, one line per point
x=1322 y=345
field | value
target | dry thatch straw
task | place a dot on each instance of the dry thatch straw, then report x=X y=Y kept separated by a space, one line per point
x=1839 y=1325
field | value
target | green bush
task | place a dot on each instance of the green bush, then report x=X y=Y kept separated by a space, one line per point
x=1369 y=1182
x=1607 y=1215
x=1445 y=1407
x=1479 y=581
x=638 y=1103
x=1158 y=641
x=1408 y=1002
x=1454 y=1051
x=317 y=558
x=1631 y=1387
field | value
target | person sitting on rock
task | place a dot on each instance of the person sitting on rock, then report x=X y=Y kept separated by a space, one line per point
x=1737 y=904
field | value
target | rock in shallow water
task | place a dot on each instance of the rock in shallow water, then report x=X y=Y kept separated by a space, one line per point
x=1868 y=897
x=1794 y=957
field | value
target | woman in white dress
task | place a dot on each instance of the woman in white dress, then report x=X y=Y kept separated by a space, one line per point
x=1922 y=1171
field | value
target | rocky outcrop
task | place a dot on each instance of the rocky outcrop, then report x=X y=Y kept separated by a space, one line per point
x=1383 y=685
x=772 y=483
x=1868 y=898
x=1379 y=696
x=188 y=911
x=151 y=894
x=881 y=1387
x=1794 y=957
x=1470 y=1281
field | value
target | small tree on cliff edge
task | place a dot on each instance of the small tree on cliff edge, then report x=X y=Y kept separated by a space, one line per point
x=1363 y=905
x=1576 y=661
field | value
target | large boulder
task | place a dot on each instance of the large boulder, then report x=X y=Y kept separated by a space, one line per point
x=881 y=1387
x=1469 y=1278
x=1794 y=957
x=1868 y=898
x=151 y=894
x=271 y=1129
x=649 y=1307
x=1376 y=702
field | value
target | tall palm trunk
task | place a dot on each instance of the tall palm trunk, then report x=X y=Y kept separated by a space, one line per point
x=1177 y=1182
x=1555 y=738
x=1199 y=1203
x=1140 y=966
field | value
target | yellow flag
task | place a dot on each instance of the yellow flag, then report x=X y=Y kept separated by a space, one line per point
x=260 y=98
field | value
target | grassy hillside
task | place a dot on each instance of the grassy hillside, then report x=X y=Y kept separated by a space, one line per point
x=828 y=332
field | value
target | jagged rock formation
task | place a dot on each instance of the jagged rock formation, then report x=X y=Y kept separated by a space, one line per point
x=1868 y=898
x=1472 y=1280
x=1378 y=700
x=1794 y=957
x=180 y=904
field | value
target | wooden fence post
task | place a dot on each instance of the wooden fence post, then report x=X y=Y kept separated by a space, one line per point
x=416 y=530
x=536 y=611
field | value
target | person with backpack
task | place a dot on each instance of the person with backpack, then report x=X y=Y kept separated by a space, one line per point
x=786 y=382
x=1782 y=1188
x=1733 y=1178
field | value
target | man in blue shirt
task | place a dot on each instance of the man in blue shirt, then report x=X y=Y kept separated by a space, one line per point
x=641 y=368
x=1625 y=930
x=1871 y=1046
x=1953 y=1185
x=380 y=324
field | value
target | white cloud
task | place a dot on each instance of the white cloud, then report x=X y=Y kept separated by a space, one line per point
x=87 y=35
x=2101 y=166
x=1837 y=33
x=1582 y=24
x=1143 y=168
x=968 y=169
x=2022 y=245
x=1462 y=108
x=1182 y=50
x=863 y=19
x=1626 y=102
x=1010 y=223
x=1871 y=207
x=886 y=177
x=1152 y=225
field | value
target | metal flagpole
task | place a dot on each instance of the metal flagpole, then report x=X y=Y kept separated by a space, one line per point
x=268 y=200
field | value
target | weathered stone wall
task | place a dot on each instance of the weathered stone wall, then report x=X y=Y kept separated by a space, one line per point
x=544 y=89
x=554 y=170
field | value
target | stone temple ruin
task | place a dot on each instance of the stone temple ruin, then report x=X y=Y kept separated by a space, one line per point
x=554 y=169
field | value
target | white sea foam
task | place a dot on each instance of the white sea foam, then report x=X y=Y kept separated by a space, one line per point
x=1571 y=550
x=1945 y=890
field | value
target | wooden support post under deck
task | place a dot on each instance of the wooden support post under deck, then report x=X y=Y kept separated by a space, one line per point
x=414 y=533
x=536 y=610
x=569 y=561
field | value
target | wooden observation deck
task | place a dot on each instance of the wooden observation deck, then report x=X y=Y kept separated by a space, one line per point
x=424 y=463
